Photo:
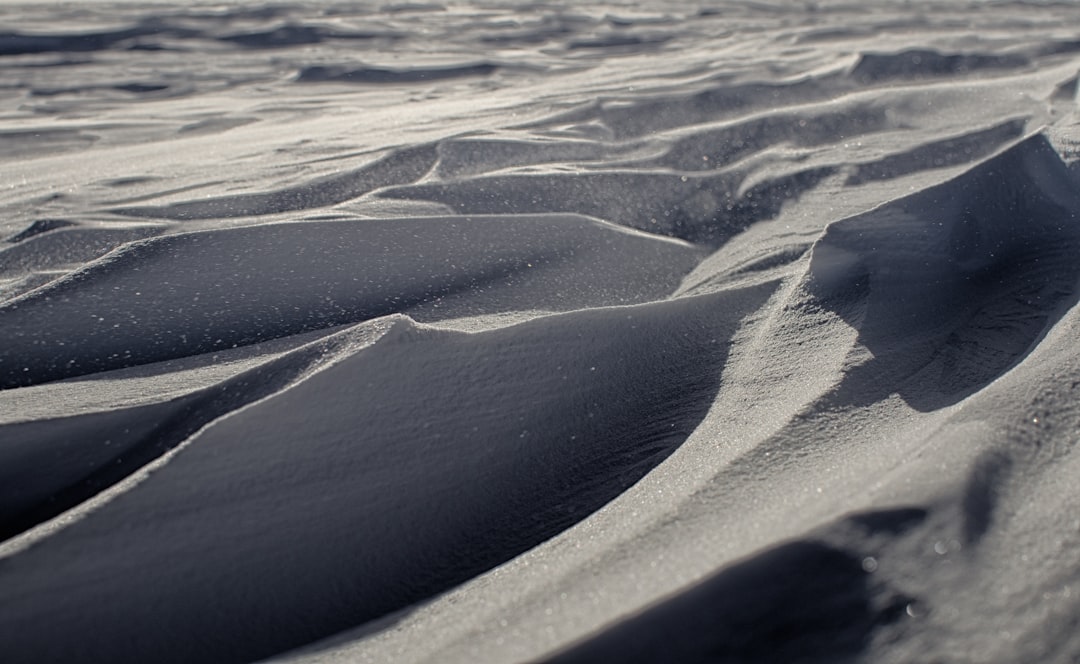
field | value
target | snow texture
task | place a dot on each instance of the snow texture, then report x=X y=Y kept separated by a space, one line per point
x=500 y=332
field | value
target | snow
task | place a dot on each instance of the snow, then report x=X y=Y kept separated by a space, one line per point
x=500 y=332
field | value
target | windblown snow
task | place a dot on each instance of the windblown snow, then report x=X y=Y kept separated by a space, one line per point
x=505 y=331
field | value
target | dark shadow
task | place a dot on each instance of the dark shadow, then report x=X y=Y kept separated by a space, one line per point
x=391 y=476
x=951 y=151
x=89 y=355
x=641 y=117
x=952 y=286
x=981 y=496
x=619 y=42
x=174 y=29
x=806 y=601
x=736 y=140
x=50 y=466
x=187 y=294
x=16 y=43
x=292 y=34
x=398 y=167
x=379 y=75
x=37 y=228
x=761 y=202
x=704 y=208
x=875 y=68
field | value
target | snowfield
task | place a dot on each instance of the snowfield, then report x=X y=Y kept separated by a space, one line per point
x=497 y=331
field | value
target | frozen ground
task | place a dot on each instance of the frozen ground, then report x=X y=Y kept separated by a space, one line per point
x=508 y=331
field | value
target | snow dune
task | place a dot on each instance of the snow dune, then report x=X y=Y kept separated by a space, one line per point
x=217 y=289
x=502 y=332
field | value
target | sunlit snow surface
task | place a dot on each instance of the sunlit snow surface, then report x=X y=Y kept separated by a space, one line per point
x=509 y=331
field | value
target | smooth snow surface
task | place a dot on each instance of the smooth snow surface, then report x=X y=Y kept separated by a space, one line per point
x=497 y=332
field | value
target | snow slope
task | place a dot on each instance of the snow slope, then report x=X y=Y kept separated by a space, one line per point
x=506 y=332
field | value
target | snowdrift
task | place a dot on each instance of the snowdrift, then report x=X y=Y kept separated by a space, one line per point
x=512 y=332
